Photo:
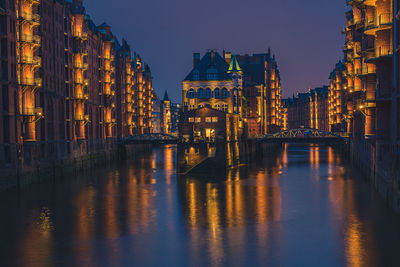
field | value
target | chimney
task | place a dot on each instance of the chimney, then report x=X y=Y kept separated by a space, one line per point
x=228 y=57
x=196 y=59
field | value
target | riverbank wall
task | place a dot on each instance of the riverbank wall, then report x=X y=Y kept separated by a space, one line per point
x=42 y=171
x=380 y=165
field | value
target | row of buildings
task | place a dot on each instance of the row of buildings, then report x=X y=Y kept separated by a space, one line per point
x=363 y=98
x=307 y=110
x=68 y=87
x=230 y=97
x=165 y=115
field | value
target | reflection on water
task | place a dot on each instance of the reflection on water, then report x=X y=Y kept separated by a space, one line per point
x=302 y=207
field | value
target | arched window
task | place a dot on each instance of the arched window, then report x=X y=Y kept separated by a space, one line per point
x=224 y=93
x=192 y=93
x=235 y=97
x=217 y=93
x=208 y=93
x=200 y=93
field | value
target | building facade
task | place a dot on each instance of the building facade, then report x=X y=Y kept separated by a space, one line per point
x=262 y=94
x=59 y=79
x=338 y=99
x=247 y=87
x=308 y=110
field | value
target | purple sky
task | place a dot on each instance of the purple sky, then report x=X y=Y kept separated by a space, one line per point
x=305 y=35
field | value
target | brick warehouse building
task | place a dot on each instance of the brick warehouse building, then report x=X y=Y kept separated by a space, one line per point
x=308 y=110
x=60 y=84
x=246 y=87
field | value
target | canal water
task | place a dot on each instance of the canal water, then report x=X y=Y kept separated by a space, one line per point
x=301 y=207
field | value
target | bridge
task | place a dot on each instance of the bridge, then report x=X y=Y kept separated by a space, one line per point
x=154 y=138
x=304 y=136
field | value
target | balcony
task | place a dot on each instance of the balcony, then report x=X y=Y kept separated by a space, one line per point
x=109 y=69
x=80 y=35
x=29 y=39
x=367 y=70
x=79 y=117
x=81 y=50
x=34 y=82
x=81 y=96
x=32 y=112
x=382 y=22
x=384 y=51
x=82 y=66
x=35 y=61
x=29 y=18
x=82 y=81
x=109 y=93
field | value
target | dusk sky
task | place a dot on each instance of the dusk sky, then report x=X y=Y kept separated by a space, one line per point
x=305 y=35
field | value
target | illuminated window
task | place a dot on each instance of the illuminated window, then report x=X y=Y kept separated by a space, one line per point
x=208 y=119
x=191 y=119
x=214 y=119
x=198 y=119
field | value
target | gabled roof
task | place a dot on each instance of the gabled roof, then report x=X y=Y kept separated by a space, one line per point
x=211 y=61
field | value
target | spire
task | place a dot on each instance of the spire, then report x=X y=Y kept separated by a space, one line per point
x=234 y=66
x=166 y=98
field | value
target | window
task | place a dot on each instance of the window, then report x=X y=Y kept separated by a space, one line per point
x=225 y=93
x=212 y=74
x=208 y=93
x=200 y=93
x=191 y=93
x=196 y=75
x=198 y=119
x=216 y=93
x=214 y=119
x=208 y=119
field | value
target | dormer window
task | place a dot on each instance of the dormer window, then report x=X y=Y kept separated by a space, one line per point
x=196 y=75
x=212 y=74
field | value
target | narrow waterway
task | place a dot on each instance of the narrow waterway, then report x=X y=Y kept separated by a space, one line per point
x=302 y=207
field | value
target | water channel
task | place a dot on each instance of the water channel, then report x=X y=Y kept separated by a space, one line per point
x=301 y=207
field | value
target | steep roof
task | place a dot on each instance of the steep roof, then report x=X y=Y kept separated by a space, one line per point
x=166 y=98
x=211 y=61
x=234 y=66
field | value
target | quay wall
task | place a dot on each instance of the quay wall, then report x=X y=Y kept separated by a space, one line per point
x=380 y=165
x=41 y=171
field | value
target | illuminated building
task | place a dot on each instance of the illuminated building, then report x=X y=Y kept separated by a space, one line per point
x=319 y=118
x=246 y=87
x=338 y=99
x=369 y=60
x=166 y=114
x=142 y=97
x=298 y=111
x=308 y=110
x=124 y=91
x=58 y=83
x=262 y=94
x=27 y=46
x=213 y=86
x=156 y=115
